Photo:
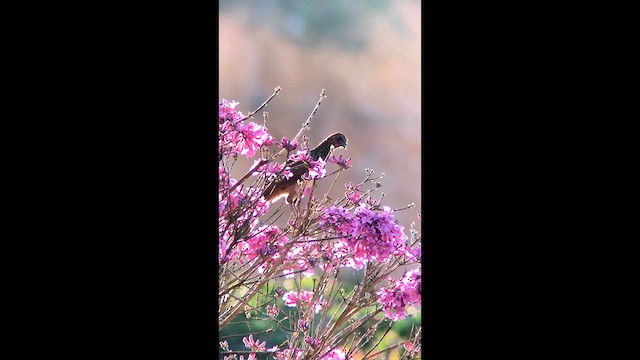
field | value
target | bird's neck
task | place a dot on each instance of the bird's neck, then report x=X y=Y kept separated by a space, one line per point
x=322 y=150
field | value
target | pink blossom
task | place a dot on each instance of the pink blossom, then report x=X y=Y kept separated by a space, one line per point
x=401 y=293
x=338 y=219
x=227 y=112
x=239 y=219
x=303 y=258
x=288 y=145
x=414 y=253
x=249 y=138
x=319 y=305
x=254 y=345
x=368 y=234
x=290 y=299
x=301 y=155
x=316 y=169
x=264 y=243
x=236 y=138
x=352 y=193
x=305 y=296
x=335 y=354
x=250 y=357
x=343 y=163
x=311 y=341
x=288 y=354
x=408 y=346
x=273 y=311
x=271 y=169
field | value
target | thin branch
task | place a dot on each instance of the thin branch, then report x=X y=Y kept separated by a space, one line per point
x=275 y=92
x=306 y=123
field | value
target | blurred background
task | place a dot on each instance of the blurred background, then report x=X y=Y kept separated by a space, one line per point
x=366 y=54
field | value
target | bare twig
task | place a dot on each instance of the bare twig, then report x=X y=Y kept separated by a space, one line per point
x=275 y=92
x=306 y=123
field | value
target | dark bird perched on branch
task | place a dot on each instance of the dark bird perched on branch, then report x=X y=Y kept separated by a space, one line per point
x=287 y=187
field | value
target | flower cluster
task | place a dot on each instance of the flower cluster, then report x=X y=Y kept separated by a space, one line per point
x=264 y=243
x=303 y=257
x=317 y=241
x=239 y=213
x=292 y=298
x=353 y=192
x=367 y=234
x=316 y=169
x=401 y=293
x=236 y=138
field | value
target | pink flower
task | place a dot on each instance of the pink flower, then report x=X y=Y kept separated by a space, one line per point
x=289 y=145
x=305 y=296
x=236 y=138
x=352 y=193
x=251 y=357
x=227 y=112
x=408 y=346
x=401 y=293
x=338 y=219
x=414 y=253
x=264 y=243
x=301 y=155
x=343 y=163
x=254 y=345
x=316 y=169
x=286 y=354
x=319 y=305
x=290 y=299
x=368 y=234
x=311 y=341
x=335 y=354
x=250 y=137
x=273 y=311
x=270 y=169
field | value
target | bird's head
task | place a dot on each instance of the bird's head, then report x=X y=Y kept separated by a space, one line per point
x=338 y=140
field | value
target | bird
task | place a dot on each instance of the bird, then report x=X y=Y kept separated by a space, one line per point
x=286 y=188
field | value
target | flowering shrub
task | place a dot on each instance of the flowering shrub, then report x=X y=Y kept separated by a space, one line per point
x=315 y=318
